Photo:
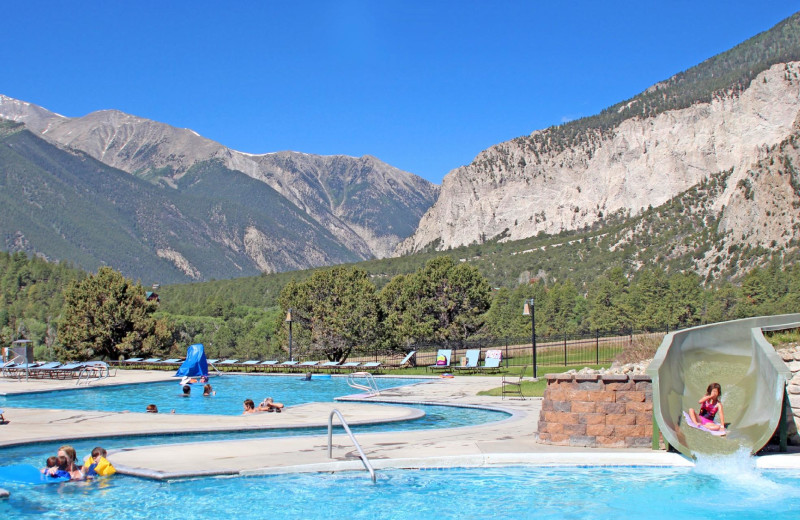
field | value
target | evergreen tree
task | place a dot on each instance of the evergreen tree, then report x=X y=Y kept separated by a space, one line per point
x=108 y=316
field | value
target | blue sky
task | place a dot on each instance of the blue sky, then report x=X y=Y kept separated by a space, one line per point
x=422 y=85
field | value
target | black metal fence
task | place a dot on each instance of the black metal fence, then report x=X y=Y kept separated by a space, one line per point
x=560 y=350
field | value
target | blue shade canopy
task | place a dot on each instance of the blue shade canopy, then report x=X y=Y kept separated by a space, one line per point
x=195 y=364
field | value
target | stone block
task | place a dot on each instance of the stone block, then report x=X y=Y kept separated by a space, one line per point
x=610 y=441
x=555 y=394
x=586 y=378
x=547 y=427
x=620 y=419
x=611 y=408
x=631 y=430
x=593 y=418
x=575 y=429
x=643 y=378
x=615 y=378
x=641 y=408
x=559 y=438
x=583 y=407
x=592 y=386
x=551 y=377
x=638 y=442
x=562 y=406
x=584 y=441
x=579 y=395
x=547 y=404
x=617 y=387
x=626 y=397
x=599 y=429
x=644 y=386
x=564 y=377
x=602 y=397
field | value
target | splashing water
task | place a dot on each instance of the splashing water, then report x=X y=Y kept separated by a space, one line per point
x=738 y=475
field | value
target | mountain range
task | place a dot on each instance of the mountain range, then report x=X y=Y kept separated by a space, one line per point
x=717 y=141
x=238 y=213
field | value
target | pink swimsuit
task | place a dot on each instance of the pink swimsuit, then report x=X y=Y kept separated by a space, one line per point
x=708 y=412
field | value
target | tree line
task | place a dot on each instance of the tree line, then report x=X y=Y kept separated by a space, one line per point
x=337 y=312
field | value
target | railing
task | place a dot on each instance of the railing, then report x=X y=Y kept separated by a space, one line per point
x=371 y=386
x=361 y=453
x=93 y=371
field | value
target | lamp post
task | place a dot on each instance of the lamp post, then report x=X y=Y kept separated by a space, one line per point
x=530 y=310
x=289 y=321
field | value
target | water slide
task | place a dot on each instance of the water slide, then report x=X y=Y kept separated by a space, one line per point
x=736 y=355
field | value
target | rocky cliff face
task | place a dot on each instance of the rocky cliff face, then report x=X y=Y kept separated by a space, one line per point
x=519 y=188
x=368 y=205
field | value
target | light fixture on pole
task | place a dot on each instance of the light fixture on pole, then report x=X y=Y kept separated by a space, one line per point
x=530 y=310
x=289 y=321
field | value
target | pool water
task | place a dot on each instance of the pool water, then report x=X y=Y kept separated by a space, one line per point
x=231 y=391
x=506 y=492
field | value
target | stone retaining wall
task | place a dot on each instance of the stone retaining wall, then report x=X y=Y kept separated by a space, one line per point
x=597 y=410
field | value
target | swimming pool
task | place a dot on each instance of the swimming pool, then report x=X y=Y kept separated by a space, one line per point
x=231 y=390
x=512 y=492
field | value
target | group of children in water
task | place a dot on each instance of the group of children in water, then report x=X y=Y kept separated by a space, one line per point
x=267 y=405
x=63 y=465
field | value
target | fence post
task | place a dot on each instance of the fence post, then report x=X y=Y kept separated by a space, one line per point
x=506 y=351
x=565 y=349
x=597 y=347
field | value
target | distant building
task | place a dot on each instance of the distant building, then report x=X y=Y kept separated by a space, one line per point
x=152 y=297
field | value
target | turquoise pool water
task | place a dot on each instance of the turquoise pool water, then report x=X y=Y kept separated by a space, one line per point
x=231 y=390
x=517 y=492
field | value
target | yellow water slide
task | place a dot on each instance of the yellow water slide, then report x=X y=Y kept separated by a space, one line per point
x=736 y=355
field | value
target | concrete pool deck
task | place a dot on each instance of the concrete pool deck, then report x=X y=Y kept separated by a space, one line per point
x=510 y=441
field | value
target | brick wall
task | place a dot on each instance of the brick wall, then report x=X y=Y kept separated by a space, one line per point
x=598 y=411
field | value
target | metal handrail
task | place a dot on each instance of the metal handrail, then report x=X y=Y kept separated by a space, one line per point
x=371 y=386
x=96 y=369
x=361 y=453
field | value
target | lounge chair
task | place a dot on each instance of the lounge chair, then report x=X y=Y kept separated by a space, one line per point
x=350 y=364
x=172 y=361
x=151 y=360
x=442 y=360
x=410 y=360
x=374 y=365
x=268 y=364
x=308 y=364
x=330 y=365
x=512 y=384
x=472 y=356
x=212 y=361
x=492 y=361
x=134 y=360
x=48 y=370
x=228 y=362
x=69 y=370
x=288 y=365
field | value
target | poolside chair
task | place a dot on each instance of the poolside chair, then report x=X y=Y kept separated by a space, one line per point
x=472 y=356
x=492 y=361
x=350 y=364
x=173 y=361
x=151 y=361
x=228 y=362
x=374 y=365
x=45 y=370
x=512 y=384
x=212 y=361
x=308 y=364
x=268 y=364
x=247 y=364
x=134 y=360
x=442 y=360
x=410 y=360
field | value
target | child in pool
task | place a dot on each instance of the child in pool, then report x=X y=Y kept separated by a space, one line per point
x=709 y=406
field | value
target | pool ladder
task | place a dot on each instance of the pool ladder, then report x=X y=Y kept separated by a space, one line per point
x=368 y=386
x=361 y=453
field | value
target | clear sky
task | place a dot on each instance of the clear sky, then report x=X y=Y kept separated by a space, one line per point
x=424 y=85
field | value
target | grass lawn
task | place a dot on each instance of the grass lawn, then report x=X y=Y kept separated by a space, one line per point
x=536 y=388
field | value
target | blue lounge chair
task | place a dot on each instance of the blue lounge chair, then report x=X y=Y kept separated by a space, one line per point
x=409 y=360
x=228 y=362
x=308 y=364
x=172 y=361
x=472 y=355
x=212 y=361
x=152 y=360
x=134 y=360
x=269 y=362
x=330 y=365
x=374 y=365
x=442 y=360
x=350 y=364
x=249 y=362
x=492 y=361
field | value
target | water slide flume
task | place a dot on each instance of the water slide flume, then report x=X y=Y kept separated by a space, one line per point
x=736 y=355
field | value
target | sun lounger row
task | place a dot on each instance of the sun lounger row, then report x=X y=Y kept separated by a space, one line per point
x=55 y=370
x=472 y=361
x=254 y=364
